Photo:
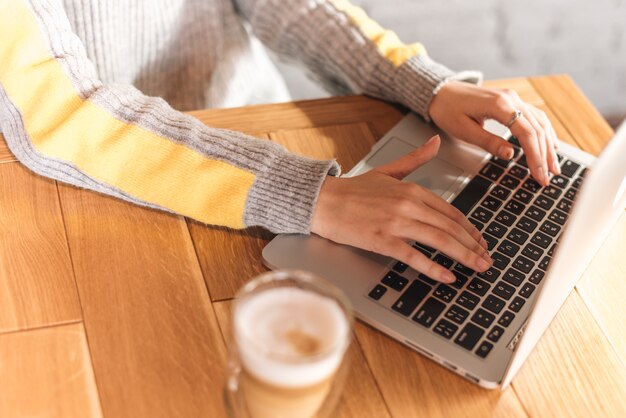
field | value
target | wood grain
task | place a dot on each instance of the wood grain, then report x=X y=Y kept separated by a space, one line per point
x=36 y=280
x=361 y=397
x=298 y=115
x=155 y=343
x=414 y=386
x=575 y=111
x=47 y=373
x=5 y=154
x=573 y=371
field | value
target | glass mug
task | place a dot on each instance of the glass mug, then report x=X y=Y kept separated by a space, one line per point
x=287 y=356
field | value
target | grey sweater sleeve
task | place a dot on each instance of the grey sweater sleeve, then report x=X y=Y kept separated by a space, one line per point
x=62 y=122
x=349 y=52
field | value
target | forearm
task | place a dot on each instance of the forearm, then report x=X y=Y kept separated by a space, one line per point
x=348 y=51
x=60 y=121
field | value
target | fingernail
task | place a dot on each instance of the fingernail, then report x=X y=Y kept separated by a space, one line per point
x=448 y=277
x=556 y=168
x=505 y=152
x=483 y=264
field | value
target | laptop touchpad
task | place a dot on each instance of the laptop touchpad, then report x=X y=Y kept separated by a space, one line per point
x=438 y=175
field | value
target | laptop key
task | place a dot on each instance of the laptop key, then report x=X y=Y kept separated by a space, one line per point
x=496 y=229
x=504 y=290
x=469 y=336
x=491 y=241
x=544 y=202
x=494 y=304
x=565 y=205
x=506 y=218
x=559 y=181
x=412 y=296
x=536 y=276
x=377 y=292
x=552 y=192
x=558 y=217
x=506 y=318
x=443 y=261
x=471 y=194
x=531 y=185
x=527 y=290
x=522 y=160
x=544 y=263
x=491 y=274
x=499 y=161
x=400 y=283
x=468 y=300
x=517 y=236
x=460 y=281
x=483 y=318
x=532 y=251
x=541 y=240
x=444 y=292
x=428 y=280
x=445 y=328
x=457 y=314
x=523 y=264
x=523 y=196
x=495 y=333
x=515 y=207
x=478 y=286
x=390 y=278
x=509 y=182
x=423 y=251
x=526 y=224
x=492 y=171
x=570 y=193
x=577 y=182
x=428 y=313
x=569 y=167
x=400 y=267
x=463 y=269
x=552 y=249
x=513 y=277
x=508 y=248
x=482 y=214
x=500 y=261
x=550 y=228
x=516 y=304
x=479 y=225
x=518 y=171
x=484 y=349
x=491 y=203
x=500 y=192
x=535 y=213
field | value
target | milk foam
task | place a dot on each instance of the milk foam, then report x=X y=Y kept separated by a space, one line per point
x=290 y=337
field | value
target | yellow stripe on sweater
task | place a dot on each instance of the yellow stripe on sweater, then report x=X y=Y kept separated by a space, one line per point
x=386 y=41
x=63 y=126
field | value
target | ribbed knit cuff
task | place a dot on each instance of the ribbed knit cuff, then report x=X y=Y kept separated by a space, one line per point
x=283 y=197
x=419 y=79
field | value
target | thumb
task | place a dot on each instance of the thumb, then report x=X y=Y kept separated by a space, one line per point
x=404 y=166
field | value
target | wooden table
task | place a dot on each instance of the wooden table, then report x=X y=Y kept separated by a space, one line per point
x=108 y=309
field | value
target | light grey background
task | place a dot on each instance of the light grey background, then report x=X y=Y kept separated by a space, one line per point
x=505 y=38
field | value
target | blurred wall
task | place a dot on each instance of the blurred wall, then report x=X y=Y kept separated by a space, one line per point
x=505 y=38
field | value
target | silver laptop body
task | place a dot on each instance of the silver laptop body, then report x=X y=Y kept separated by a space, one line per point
x=442 y=324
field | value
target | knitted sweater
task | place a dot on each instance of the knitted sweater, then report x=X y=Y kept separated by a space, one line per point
x=85 y=87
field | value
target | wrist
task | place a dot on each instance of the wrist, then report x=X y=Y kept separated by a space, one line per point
x=321 y=211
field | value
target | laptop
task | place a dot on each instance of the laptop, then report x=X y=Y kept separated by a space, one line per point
x=483 y=326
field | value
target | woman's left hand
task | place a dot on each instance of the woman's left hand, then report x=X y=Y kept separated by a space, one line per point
x=461 y=108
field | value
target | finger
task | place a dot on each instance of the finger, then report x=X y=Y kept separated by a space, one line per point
x=428 y=215
x=448 y=244
x=403 y=252
x=404 y=166
x=493 y=144
x=540 y=133
x=551 y=139
x=438 y=204
x=502 y=109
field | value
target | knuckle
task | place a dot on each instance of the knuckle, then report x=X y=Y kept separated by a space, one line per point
x=440 y=239
x=501 y=101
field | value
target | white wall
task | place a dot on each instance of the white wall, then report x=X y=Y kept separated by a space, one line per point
x=505 y=38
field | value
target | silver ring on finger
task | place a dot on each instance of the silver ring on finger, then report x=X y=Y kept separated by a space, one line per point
x=516 y=115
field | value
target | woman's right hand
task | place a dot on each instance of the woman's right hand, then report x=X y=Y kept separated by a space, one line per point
x=378 y=212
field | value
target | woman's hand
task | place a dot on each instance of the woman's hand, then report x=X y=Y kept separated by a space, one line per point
x=461 y=108
x=378 y=212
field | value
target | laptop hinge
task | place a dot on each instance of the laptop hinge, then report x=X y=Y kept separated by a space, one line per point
x=513 y=344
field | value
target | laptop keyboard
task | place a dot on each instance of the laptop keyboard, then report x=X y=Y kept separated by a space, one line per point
x=521 y=222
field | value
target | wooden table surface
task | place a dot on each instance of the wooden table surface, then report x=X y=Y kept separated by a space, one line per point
x=108 y=309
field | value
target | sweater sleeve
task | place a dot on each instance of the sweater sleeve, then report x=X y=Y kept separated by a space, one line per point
x=348 y=52
x=62 y=122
